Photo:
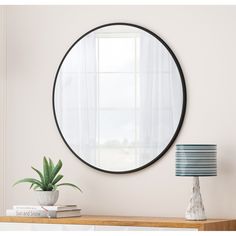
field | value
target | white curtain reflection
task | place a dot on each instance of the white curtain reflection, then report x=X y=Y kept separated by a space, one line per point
x=77 y=98
x=160 y=98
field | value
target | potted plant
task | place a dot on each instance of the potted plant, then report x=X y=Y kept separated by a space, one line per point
x=46 y=186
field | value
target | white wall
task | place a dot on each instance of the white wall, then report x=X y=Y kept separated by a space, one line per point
x=203 y=38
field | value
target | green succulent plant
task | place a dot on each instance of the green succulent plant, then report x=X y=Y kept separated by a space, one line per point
x=49 y=179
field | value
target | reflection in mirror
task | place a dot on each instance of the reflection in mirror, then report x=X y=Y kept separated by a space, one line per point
x=118 y=98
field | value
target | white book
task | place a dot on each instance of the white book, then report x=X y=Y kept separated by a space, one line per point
x=49 y=208
x=43 y=213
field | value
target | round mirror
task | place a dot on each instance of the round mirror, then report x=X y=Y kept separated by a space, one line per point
x=119 y=98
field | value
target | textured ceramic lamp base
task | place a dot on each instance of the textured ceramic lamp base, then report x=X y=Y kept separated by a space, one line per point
x=195 y=209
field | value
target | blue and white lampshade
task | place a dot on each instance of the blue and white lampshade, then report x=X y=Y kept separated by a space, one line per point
x=196 y=160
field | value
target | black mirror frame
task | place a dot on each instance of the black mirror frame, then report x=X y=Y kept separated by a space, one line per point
x=183 y=106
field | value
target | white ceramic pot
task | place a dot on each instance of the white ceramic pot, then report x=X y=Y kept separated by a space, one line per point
x=47 y=198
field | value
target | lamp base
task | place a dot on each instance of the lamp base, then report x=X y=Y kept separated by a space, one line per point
x=195 y=210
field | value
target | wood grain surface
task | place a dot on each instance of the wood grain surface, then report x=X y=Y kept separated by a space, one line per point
x=210 y=224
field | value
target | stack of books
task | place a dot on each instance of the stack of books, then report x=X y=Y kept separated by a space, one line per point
x=59 y=211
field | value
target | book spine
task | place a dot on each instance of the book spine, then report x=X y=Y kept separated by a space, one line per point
x=31 y=213
x=51 y=208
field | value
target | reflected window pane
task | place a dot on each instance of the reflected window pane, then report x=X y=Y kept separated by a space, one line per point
x=117 y=91
x=110 y=159
x=116 y=128
x=116 y=54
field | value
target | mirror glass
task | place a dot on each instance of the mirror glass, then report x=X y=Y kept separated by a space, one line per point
x=119 y=98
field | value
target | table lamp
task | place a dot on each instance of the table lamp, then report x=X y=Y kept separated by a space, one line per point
x=196 y=160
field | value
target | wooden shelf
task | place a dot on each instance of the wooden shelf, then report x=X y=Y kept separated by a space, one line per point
x=211 y=224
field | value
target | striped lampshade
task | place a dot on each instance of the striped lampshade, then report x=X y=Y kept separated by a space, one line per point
x=196 y=160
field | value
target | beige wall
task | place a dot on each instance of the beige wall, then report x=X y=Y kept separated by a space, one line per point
x=203 y=39
x=2 y=101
